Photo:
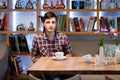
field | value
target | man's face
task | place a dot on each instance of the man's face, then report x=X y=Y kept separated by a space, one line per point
x=50 y=24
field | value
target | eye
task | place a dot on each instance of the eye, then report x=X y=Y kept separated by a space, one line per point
x=53 y=22
x=48 y=22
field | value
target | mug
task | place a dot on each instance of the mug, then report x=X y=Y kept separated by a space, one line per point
x=59 y=55
x=74 y=4
x=81 y=4
x=87 y=57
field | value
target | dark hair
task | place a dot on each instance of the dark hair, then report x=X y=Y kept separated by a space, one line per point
x=49 y=15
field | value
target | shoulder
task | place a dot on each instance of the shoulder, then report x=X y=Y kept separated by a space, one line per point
x=61 y=34
x=41 y=34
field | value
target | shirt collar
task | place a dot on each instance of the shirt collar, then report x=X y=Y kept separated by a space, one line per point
x=46 y=37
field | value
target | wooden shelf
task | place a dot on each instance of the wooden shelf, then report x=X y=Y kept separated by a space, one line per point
x=22 y=10
x=4 y=32
x=19 y=54
x=56 y=10
x=82 y=10
x=22 y=76
x=24 y=32
x=110 y=10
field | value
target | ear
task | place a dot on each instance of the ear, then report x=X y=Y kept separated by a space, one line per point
x=43 y=24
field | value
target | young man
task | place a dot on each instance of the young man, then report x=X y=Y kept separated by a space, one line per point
x=50 y=41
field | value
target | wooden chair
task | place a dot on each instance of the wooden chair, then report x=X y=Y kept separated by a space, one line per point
x=31 y=77
x=76 y=77
x=108 y=78
x=112 y=77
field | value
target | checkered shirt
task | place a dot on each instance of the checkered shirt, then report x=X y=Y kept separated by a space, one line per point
x=42 y=46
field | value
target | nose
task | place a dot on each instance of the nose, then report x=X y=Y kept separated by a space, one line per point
x=51 y=24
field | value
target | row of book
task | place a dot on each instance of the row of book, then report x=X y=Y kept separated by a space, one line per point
x=107 y=22
x=18 y=43
x=61 y=23
x=78 y=25
x=104 y=24
x=3 y=21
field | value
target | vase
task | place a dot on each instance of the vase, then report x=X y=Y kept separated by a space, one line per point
x=101 y=54
x=117 y=55
x=52 y=6
x=57 y=5
x=45 y=5
x=62 y=6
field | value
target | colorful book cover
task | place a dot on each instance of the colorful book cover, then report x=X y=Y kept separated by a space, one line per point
x=18 y=65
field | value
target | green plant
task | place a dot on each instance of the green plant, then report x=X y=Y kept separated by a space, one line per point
x=101 y=42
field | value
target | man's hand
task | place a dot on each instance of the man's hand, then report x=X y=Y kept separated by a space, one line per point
x=68 y=55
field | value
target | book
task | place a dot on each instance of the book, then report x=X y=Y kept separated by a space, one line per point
x=91 y=23
x=22 y=43
x=81 y=25
x=76 y=23
x=61 y=23
x=4 y=23
x=2 y=20
x=118 y=24
x=72 y=26
x=12 y=69
x=13 y=44
x=104 y=24
x=18 y=65
x=18 y=43
x=107 y=24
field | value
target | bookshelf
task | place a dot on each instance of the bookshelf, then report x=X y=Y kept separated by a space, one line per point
x=24 y=16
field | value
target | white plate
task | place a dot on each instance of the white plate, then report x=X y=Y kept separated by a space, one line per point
x=59 y=59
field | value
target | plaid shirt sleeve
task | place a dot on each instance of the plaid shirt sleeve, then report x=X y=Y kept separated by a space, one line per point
x=34 y=46
x=67 y=45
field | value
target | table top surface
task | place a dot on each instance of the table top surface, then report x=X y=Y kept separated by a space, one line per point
x=71 y=65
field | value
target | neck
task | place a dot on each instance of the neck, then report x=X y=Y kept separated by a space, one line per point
x=51 y=35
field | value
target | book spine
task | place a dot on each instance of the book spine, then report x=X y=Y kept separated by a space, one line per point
x=72 y=25
x=17 y=44
x=23 y=46
x=18 y=65
x=91 y=24
x=76 y=23
x=118 y=23
x=12 y=66
x=81 y=25
x=16 y=68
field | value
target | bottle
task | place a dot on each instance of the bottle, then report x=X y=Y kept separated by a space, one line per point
x=112 y=4
x=62 y=6
x=117 y=55
x=101 y=55
x=103 y=4
x=57 y=5
x=91 y=4
x=81 y=4
x=3 y=5
x=31 y=27
x=52 y=6
x=45 y=5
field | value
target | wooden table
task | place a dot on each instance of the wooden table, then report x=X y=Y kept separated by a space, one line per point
x=71 y=65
